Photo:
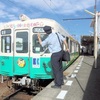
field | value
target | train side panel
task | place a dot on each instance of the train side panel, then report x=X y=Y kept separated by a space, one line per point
x=6 y=65
x=41 y=68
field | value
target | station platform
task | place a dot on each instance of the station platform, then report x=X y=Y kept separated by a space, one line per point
x=81 y=82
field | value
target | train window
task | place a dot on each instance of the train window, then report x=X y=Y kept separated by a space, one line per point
x=5 y=31
x=6 y=44
x=37 y=48
x=70 y=46
x=67 y=41
x=22 y=42
x=38 y=30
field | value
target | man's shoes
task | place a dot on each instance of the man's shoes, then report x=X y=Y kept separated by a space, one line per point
x=56 y=87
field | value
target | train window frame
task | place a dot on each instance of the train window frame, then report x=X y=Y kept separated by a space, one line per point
x=22 y=41
x=38 y=31
x=70 y=46
x=5 y=31
x=6 y=49
x=67 y=39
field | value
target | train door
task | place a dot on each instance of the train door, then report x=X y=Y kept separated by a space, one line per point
x=40 y=57
x=21 y=52
x=6 y=52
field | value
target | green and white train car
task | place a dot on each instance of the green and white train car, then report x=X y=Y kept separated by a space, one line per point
x=21 y=54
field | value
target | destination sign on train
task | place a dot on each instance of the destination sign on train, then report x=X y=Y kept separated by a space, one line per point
x=38 y=30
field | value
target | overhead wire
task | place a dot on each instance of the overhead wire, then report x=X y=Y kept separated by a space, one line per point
x=65 y=19
x=55 y=13
x=78 y=18
x=71 y=19
x=51 y=9
x=49 y=5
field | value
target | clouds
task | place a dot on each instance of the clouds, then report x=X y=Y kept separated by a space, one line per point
x=59 y=6
x=6 y=12
x=12 y=8
x=2 y=7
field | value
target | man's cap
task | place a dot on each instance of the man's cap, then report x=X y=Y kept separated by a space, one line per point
x=47 y=29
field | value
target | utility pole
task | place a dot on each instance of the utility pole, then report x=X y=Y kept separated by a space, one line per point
x=95 y=15
x=95 y=36
x=95 y=40
x=95 y=18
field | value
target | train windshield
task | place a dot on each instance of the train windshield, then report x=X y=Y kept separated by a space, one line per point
x=37 y=48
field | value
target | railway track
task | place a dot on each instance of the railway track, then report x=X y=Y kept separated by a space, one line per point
x=7 y=97
x=20 y=94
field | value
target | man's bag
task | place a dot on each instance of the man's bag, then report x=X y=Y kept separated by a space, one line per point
x=66 y=56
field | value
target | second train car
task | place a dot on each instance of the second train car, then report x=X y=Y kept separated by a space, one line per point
x=22 y=57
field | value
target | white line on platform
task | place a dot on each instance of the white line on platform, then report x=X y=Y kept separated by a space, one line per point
x=77 y=67
x=69 y=83
x=75 y=71
x=73 y=75
x=62 y=94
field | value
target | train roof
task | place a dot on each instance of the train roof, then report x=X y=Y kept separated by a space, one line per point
x=44 y=20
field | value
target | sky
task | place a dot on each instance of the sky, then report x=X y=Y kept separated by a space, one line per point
x=59 y=10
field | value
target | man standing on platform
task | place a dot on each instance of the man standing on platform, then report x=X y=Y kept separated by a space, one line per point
x=56 y=57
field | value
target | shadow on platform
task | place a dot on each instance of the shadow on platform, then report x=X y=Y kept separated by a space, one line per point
x=92 y=91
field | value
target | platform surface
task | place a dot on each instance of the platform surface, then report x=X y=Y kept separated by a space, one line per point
x=81 y=82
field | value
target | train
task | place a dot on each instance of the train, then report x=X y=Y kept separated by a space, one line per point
x=21 y=56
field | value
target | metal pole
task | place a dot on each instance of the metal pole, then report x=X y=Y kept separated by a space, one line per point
x=95 y=37
x=95 y=6
x=95 y=41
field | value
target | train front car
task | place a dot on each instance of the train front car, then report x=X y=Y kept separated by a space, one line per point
x=22 y=57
